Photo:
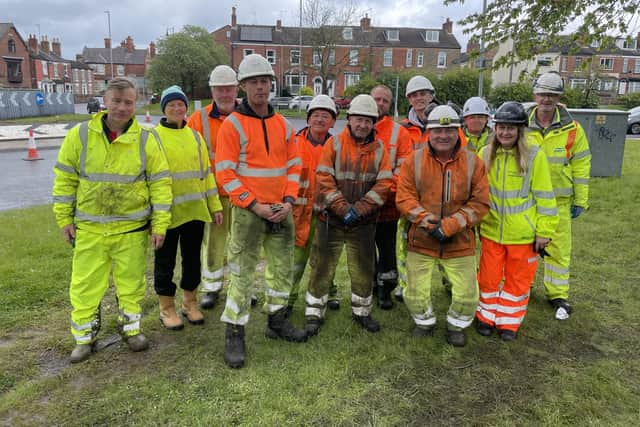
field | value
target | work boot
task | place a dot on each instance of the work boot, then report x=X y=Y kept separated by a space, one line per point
x=168 y=316
x=367 y=323
x=563 y=308
x=254 y=300
x=80 y=353
x=190 y=308
x=289 y=311
x=456 y=338
x=312 y=327
x=234 y=346
x=384 y=294
x=278 y=326
x=483 y=328
x=333 y=304
x=398 y=294
x=423 y=331
x=208 y=300
x=507 y=335
x=137 y=342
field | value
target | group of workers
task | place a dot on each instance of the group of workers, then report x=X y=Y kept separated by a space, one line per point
x=401 y=198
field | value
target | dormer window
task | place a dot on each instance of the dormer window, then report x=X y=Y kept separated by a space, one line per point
x=11 y=46
x=393 y=35
x=432 y=36
x=347 y=33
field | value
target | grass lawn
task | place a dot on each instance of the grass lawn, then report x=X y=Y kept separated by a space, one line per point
x=154 y=109
x=585 y=371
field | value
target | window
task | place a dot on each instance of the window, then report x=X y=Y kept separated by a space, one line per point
x=388 y=57
x=578 y=63
x=545 y=61
x=347 y=33
x=332 y=56
x=100 y=68
x=246 y=52
x=317 y=58
x=636 y=69
x=271 y=56
x=45 y=68
x=75 y=75
x=408 y=62
x=420 y=59
x=629 y=44
x=606 y=85
x=625 y=65
x=293 y=82
x=432 y=36
x=563 y=63
x=294 y=57
x=595 y=43
x=11 y=44
x=14 y=70
x=66 y=70
x=578 y=83
x=351 y=79
x=393 y=35
x=353 y=57
x=55 y=71
x=634 y=87
x=442 y=59
x=606 y=63
x=120 y=69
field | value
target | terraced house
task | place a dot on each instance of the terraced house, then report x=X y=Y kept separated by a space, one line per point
x=14 y=58
x=331 y=58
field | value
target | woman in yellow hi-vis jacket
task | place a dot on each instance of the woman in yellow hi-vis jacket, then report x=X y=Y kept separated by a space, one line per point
x=195 y=202
x=522 y=218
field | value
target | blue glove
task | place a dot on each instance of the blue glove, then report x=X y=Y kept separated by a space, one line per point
x=576 y=211
x=437 y=232
x=351 y=216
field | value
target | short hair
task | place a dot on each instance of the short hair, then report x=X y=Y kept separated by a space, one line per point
x=384 y=87
x=120 y=83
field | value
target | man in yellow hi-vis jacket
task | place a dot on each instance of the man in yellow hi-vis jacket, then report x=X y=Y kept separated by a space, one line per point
x=112 y=184
x=564 y=142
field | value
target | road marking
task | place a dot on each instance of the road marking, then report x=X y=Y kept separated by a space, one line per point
x=12 y=98
x=25 y=98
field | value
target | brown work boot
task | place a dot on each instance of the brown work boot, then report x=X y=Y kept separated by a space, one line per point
x=137 y=342
x=80 y=353
x=168 y=316
x=190 y=308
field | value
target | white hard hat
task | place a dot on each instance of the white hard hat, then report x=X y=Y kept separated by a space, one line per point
x=417 y=83
x=475 y=106
x=443 y=116
x=322 y=102
x=363 y=105
x=549 y=83
x=254 y=65
x=223 y=75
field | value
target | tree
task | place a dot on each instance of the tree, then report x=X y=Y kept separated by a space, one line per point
x=325 y=20
x=185 y=58
x=520 y=92
x=536 y=25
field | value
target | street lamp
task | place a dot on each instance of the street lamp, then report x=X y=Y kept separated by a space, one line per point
x=110 y=41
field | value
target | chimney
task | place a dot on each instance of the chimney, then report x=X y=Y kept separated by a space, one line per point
x=448 y=26
x=123 y=43
x=234 y=19
x=44 y=44
x=55 y=47
x=129 y=44
x=107 y=43
x=365 y=23
x=33 y=43
x=152 y=49
x=79 y=57
x=279 y=25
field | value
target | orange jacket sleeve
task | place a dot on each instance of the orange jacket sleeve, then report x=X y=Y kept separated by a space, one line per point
x=327 y=194
x=407 y=197
x=294 y=167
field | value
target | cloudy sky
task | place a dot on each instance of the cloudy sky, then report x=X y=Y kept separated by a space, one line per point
x=84 y=23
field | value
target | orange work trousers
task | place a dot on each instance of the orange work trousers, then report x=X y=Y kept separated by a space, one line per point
x=505 y=307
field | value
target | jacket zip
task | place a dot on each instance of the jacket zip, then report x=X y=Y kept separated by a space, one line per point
x=444 y=171
x=266 y=137
x=504 y=179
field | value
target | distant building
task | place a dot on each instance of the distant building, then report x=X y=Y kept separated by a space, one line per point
x=50 y=72
x=15 y=69
x=358 y=50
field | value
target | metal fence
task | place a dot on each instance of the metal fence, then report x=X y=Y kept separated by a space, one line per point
x=16 y=103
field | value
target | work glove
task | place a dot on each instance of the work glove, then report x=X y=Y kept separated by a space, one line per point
x=576 y=211
x=351 y=217
x=437 y=232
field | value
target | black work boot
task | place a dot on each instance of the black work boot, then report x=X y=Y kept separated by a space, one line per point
x=384 y=294
x=484 y=329
x=333 y=304
x=208 y=300
x=456 y=338
x=507 y=335
x=234 y=346
x=312 y=327
x=563 y=308
x=278 y=326
x=423 y=331
x=367 y=323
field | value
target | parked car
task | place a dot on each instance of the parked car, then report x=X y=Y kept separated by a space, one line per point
x=280 y=101
x=95 y=104
x=341 y=102
x=634 y=121
x=301 y=102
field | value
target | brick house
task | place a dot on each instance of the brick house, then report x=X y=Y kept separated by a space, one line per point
x=127 y=61
x=355 y=50
x=82 y=77
x=50 y=72
x=15 y=71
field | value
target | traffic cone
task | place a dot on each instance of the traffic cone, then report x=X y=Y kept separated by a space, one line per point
x=147 y=117
x=32 y=154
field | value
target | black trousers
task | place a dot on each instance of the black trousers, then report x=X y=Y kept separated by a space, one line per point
x=189 y=235
x=386 y=244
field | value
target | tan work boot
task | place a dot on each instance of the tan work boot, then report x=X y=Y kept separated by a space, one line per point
x=168 y=316
x=80 y=353
x=190 y=308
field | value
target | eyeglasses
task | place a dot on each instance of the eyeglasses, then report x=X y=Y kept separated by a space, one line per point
x=548 y=95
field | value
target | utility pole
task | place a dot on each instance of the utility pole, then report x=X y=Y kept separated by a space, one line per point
x=481 y=75
x=300 y=57
x=110 y=41
x=395 y=107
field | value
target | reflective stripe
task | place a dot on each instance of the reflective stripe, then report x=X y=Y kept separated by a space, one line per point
x=425 y=319
x=159 y=175
x=273 y=308
x=361 y=310
x=294 y=177
x=330 y=198
x=65 y=168
x=203 y=169
x=502 y=195
x=489 y=294
x=513 y=298
x=161 y=207
x=188 y=198
x=471 y=164
x=558 y=282
x=510 y=310
x=326 y=169
x=241 y=321
x=234 y=268
x=555 y=269
x=584 y=181
x=510 y=210
x=84 y=326
x=301 y=201
x=557 y=160
x=211 y=192
x=232 y=306
x=131 y=326
x=314 y=312
x=261 y=172
x=461 y=322
x=375 y=197
x=413 y=214
x=277 y=294
x=211 y=286
x=544 y=194
x=225 y=164
x=113 y=218
x=526 y=181
x=581 y=154
x=384 y=175
x=186 y=175
x=487 y=314
x=217 y=274
x=393 y=143
x=417 y=166
x=238 y=127
x=83 y=339
x=487 y=306
x=304 y=184
x=546 y=211
x=563 y=191
x=64 y=199
x=294 y=162
x=509 y=320
x=204 y=119
x=232 y=185
x=113 y=177
x=311 y=300
x=356 y=299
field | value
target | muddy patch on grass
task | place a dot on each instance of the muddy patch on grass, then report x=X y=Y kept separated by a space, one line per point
x=6 y=342
x=51 y=363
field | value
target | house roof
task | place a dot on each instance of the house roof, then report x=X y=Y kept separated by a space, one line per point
x=567 y=47
x=121 y=55
x=4 y=28
x=48 y=56
x=375 y=36
x=80 y=65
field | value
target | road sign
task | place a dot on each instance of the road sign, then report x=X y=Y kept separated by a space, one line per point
x=39 y=98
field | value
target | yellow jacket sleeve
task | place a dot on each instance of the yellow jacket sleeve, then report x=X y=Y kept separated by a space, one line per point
x=580 y=167
x=213 y=199
x=542 y=190
x=159 y=184
x=65 y=183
